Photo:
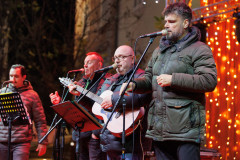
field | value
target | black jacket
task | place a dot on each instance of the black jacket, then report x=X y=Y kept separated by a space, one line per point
x=110 y=143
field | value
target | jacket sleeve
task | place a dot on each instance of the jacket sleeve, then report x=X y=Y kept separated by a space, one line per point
x=139 y=100
x=38 y=116
x=144 y=84
x=204 y=78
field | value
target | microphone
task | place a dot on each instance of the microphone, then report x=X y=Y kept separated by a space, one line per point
x=113 y=66
x=154 y=34
x=77 y=70
x=7 y=82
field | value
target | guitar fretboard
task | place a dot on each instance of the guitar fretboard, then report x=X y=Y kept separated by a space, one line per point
x=92 y=96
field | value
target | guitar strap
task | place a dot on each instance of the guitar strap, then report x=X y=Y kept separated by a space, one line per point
x=87 y=84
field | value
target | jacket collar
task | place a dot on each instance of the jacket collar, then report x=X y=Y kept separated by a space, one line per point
x=27 y=86
x=193 y=35
x=95 y=78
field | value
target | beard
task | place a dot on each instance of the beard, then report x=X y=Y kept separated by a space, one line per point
x=174 y=37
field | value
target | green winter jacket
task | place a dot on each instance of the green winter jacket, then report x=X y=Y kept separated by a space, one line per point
x=178 y=112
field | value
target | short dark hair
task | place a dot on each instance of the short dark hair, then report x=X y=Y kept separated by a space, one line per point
x=179 y=8
x=99 y=57
x=22 y=68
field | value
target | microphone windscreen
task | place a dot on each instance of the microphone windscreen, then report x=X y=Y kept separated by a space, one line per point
x=164 y=32
x=114 y=66
x=9 y=81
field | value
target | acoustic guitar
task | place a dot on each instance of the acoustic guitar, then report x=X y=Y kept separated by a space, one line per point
x=115 y=125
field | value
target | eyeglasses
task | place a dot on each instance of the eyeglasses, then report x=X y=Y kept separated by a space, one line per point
x=120 y=58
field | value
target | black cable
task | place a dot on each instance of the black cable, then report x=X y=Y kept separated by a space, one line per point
x=133 y=146
x=133 y=124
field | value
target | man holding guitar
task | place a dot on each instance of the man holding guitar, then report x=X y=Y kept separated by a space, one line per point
x=124 y=58
x=89 y=143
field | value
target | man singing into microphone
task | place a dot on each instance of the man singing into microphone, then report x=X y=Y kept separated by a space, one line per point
x=124 y=58
x=22 y=134
x=179 y=73
x=89 y=143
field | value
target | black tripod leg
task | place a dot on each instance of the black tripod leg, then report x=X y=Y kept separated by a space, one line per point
x=9 y=137
x=63 y=139
x=56 y=154
x=78 y=145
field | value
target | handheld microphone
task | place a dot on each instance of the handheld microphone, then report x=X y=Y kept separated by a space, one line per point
x=77 y=70
x=154 y=34
x=7 y=82
x=113 y=66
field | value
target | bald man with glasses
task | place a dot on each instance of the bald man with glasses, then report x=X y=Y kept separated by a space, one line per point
x=124 y=58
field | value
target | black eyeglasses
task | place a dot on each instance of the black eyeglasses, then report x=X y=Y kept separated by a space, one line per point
x=120 y=58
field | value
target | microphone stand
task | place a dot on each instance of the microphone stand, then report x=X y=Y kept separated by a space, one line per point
x=51 y=128
x=123 y=133
x=61 y=130
x=104 y=73
x=58 y=152
x=122 y=95
x=77 y=149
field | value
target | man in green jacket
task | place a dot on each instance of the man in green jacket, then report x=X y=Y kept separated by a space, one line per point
x=179 y=73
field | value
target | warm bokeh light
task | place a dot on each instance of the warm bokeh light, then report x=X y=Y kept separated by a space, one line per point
x=223 y=105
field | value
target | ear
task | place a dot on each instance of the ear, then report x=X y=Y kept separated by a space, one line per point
x=24 y=77
x=186 y=23
x=133 y=59
x=100 y=65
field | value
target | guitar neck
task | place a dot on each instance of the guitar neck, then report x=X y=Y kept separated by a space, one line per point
x=90 y=95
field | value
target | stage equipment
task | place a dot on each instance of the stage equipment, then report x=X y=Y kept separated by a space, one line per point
x=13 y=113
x=212 y=13
x=216 y=12
x=236 y=14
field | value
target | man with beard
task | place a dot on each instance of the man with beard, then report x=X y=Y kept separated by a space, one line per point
x=179 y=73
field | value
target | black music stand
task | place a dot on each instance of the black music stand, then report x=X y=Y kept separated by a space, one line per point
x=77 y=117
x=12 y=113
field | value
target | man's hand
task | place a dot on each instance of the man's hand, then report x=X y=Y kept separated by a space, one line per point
x=94 y=137
x=107 y=102
x=164 y=80
x=42 y=148
x=72 y=89
x=130 y=88
x=55 y=98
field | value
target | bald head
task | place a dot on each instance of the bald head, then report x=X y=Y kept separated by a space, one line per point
x=124 y=49
x=124 y=58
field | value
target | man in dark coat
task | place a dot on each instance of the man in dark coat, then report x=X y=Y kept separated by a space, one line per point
x=89 y=142
x=124 y=58
x=179 y=73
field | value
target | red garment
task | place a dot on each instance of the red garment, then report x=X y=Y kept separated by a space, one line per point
x=33 y=104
